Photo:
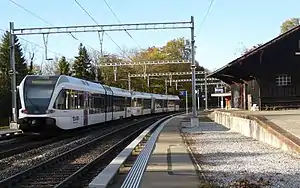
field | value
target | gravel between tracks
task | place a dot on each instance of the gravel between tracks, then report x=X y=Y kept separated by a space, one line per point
x=20 y=162
x=50 y=178
x=230 y=159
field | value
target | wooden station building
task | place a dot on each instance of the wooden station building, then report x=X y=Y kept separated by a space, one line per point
x=267 y=77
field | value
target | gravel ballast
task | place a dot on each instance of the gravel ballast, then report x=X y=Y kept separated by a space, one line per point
x=229 y=159
x=17 y=163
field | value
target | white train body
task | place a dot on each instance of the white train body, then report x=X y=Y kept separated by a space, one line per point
x=141 y=103
x=66 y=103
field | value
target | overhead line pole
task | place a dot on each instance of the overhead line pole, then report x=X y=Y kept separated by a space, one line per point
x=12 y=72
x=99 y=28
x=193 y=67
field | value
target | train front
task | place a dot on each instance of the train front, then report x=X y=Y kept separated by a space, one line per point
x=35 y=93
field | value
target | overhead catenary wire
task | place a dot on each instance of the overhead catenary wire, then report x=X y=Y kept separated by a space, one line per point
x=205 y=17
x=99 y=24
x=121 y=23
x=35 y=44
x=37 y=16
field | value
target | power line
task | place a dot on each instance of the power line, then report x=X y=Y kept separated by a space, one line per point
x=208 y=10
x=30 y=12
x=99 y=24
x=35 y=15
x=121 y=23
x=35 y=44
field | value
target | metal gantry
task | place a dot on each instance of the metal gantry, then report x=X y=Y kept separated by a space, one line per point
x=167 y=74
x=170 y=74
x=144 y=64
x=97 y=28
x=216 y=82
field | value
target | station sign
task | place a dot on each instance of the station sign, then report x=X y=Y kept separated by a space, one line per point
x=219 y=90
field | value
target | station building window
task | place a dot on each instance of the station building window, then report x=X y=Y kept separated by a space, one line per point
x=283 y=80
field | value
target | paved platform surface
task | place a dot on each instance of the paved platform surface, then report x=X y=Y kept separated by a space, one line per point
x=170 y=164
x=288 y=120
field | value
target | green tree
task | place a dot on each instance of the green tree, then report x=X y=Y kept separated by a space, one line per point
x=177 y=49
x=289 y=24
x=82 y=65
x=21 y=66
x=63 y=66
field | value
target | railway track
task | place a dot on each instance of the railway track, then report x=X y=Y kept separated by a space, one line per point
x=63 y=169
x=25 y=143
x=17 y=163
x=10 y=135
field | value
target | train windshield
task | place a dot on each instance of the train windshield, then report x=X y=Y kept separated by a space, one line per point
x=37 y=93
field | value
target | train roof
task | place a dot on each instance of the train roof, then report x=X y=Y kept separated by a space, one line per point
x=98 y=87
x=141 y=95
x=173 y=97
x=80 y=83
x=75 y=82
x=159 y=96
x=120 y=92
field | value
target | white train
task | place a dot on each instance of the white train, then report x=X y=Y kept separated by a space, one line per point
x=51 y=103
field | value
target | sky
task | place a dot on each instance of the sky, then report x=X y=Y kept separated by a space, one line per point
x=229 y=26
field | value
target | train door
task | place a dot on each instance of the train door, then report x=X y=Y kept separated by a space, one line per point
x=19 y=106
x=125 y=106
x=152 y=105
x=85 y=109
x=105 y=104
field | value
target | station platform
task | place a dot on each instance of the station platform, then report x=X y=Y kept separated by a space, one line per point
x=288 y=120
x=280 y=129
x=170 y=164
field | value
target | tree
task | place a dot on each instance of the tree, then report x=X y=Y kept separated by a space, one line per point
x=49 y=67
x=177 y=49
x=95 y=57
x=247 y=50
x=30 y=52
x=82 y=65
x=63 y=66
x=289 y=24
x=21 y=66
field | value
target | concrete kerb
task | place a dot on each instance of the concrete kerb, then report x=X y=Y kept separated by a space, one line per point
x=199 y=171
x=278 y=137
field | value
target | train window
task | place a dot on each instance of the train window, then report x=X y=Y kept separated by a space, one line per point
x=61 y=101
x=165 y=103
x=137 y=102
x=118 y=103
x=147 y=103
x=128 y=101
x=109 y=101
x=80 y=98
x=95 y=103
